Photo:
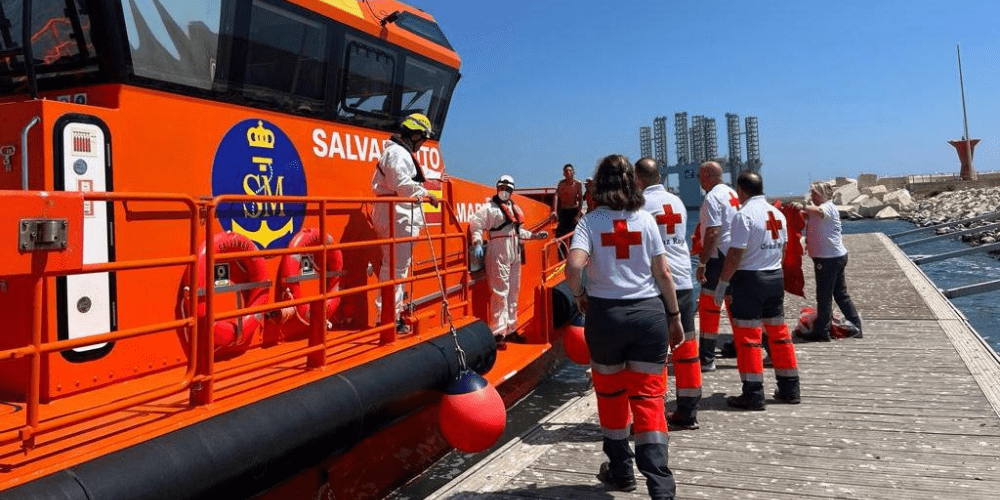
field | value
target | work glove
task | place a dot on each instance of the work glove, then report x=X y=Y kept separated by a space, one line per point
x=477 y=251
x=720 y=292
x=541 y=235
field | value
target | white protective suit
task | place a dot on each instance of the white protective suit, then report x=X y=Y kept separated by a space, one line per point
x=503 y=262
x=395 y=176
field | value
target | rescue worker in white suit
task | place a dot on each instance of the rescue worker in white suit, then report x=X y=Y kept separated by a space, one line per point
x=398 y=174
x=503 y=220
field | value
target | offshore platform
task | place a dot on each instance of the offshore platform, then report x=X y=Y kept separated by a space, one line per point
x=695 y=145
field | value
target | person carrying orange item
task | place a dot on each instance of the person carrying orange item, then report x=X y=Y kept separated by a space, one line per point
x=825 y=245
x=671 y=218
x=753 y=268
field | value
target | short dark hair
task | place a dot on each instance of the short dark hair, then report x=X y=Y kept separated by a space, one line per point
x=568 y=165
x=615 y=185
x=750 y=182
x=648 y=170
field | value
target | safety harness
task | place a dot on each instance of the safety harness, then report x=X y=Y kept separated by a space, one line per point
x=419 y=177
x=511 y=215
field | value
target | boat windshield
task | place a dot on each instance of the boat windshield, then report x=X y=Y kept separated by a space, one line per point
x=275 y=54
x=61 y=46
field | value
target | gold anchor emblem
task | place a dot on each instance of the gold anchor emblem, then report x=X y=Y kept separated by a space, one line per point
x=265 y=235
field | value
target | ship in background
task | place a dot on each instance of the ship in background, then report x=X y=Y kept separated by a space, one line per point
x=188 y=264
x=695 y=145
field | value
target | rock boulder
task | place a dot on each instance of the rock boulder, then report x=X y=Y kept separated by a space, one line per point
x=846 y=193
x=887 y=213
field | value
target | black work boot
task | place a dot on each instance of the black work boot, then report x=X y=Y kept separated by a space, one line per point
x=788 y=390
x=686 y=416
x=752 y=398
x=617 y=474
x=614 y=483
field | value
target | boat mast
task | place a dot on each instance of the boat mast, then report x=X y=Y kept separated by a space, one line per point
x=965 y=117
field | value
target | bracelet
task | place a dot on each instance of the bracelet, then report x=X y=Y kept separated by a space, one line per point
x=583 y=291
x=672 y=314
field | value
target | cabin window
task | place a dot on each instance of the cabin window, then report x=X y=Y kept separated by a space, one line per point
x=423 y=28
x=61 y=46
x=368 y=84
x=426 y=89
x=286 y=59
x=177 y=43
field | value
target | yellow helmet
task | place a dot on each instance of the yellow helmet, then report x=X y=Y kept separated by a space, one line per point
x=419 y=123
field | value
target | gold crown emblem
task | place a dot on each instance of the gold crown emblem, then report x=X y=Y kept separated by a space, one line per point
x=260 y=137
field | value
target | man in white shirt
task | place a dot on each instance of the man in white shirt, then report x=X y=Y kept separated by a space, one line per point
x=671 y=218
x=753 y=266
x=718 y=209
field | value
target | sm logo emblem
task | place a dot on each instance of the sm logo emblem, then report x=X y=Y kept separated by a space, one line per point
x=255 y=158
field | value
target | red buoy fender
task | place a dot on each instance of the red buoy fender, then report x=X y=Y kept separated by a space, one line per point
x=472 y=414
x=233 y=336
x=291 y=265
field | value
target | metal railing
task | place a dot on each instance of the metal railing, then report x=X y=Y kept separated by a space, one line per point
x=201 y=374
x=987 y=286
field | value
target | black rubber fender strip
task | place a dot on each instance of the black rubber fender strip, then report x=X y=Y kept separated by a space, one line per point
x=250 y=449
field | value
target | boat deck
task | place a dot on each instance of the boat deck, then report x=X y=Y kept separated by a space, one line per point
x=910 y=411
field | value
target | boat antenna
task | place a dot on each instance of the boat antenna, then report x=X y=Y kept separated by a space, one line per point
x=965 y=117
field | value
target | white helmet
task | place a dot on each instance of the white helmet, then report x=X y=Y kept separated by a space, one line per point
x=506 y=181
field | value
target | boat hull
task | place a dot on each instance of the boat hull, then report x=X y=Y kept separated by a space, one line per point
x=247 y=451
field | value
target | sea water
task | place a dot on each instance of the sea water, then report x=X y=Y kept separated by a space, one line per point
x=980 y=309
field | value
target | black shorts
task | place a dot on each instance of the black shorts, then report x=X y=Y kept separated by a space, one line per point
x=685 y=304
x=567 y=221
x=758 y=294
x=620 y=330
x=713 y=269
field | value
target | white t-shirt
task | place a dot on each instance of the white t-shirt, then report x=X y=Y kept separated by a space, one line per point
x=762 y=231
x=720 y=204
x=823 y=238
x=670 y=215
x=621 y=246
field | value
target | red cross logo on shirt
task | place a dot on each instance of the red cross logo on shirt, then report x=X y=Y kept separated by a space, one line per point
x=668 y=218
x=621 y=239
x=773 y=225
x=734 y=201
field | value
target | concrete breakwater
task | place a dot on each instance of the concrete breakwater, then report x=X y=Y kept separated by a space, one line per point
x=877 y=201
x=957 y=205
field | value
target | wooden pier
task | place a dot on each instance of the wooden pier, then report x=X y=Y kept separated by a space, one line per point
x=911 y=411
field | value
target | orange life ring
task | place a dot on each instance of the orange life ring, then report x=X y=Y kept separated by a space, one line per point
x=233 y=336
x=295 y=320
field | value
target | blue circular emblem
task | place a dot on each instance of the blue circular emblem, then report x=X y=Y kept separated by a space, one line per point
x=255 y=158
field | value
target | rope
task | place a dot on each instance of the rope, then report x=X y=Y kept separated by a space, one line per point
x=444 y=295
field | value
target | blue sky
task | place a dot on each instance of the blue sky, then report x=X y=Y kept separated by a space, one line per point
x=839 y=88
